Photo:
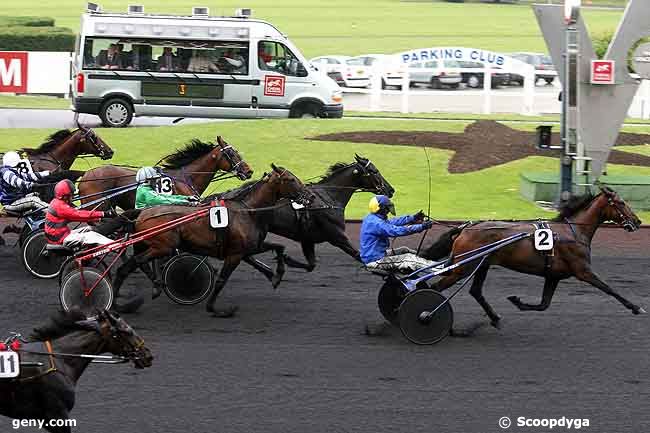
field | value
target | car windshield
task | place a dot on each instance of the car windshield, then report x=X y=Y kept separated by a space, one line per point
x=546 y=60
x=355 y=62
x=452 y=64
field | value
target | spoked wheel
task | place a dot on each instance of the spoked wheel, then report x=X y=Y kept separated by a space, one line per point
x=419 y=327
x=188 y=279
x=86 y=290
x=70 y=265
x=390 y=297
x=36 y=263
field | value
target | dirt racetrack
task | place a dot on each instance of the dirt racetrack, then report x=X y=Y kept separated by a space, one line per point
x=297 y=359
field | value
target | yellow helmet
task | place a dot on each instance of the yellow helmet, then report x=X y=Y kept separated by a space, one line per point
x=381 y=202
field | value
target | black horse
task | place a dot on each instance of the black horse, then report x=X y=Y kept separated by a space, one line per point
x=47 y=392
x=324 y=219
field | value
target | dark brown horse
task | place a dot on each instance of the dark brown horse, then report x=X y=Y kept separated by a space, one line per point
x=574 y=229
x=191 y=168
x=47 y=392
x=250 y=214
x=63 y=147
x=324 y=219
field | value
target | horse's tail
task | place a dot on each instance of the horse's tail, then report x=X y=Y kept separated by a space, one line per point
x=443 y=245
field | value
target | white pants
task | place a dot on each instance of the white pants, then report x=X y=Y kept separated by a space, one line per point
x=85 y=236
x=26 y=204
x=401 y=259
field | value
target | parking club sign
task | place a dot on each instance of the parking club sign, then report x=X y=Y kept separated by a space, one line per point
x=602 y=72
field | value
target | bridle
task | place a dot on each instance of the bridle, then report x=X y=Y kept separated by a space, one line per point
x=110 y=331
x=89 y=136
x=228 y=153
x=627 y=222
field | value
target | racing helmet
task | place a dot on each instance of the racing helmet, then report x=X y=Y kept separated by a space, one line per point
x=10 y=159
x=381 y=203
x=146 y=173
x=64 y=189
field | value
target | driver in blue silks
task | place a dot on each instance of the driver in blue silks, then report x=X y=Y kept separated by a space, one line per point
x=376 y=231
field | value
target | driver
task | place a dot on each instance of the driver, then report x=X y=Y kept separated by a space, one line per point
x=16 y=187
x=147 y=196
x=376 y=231
x=61 y=212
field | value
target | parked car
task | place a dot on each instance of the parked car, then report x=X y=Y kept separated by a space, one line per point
x=435 y=73
x=357 y=74
x=543 y=64
x=389 y=67
x=475 y=79
x=333 y=66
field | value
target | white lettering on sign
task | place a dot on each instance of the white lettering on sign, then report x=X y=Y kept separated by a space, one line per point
x=543 y=239
x=10 y=72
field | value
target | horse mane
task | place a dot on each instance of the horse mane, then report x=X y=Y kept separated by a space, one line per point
x=52 y=141
x=60 y=324
x=333 y=169
x=193 y=150
x=574 y=205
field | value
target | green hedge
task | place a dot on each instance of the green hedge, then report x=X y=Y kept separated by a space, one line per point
x=24 y=38
x=6 y=21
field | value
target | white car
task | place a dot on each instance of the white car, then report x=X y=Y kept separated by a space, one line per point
x=435 y=73
x=332 y=66
x=392 y=74
x=357 y=74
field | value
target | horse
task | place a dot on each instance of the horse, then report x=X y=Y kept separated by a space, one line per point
x=574 y=227
x=249 y=220
x=63 y=147
x=191 y=168
x=64 y=347
x=324 y=219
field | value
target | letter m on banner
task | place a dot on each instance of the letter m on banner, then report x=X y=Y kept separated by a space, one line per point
x=13 y=72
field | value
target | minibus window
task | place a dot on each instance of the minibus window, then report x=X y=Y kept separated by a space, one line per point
x=274 y=56
x=207 y=57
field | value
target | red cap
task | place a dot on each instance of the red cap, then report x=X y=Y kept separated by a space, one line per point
x=15 y=345
x=3 y=347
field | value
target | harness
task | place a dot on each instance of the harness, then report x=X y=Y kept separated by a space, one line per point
x=52 y=364
x=548 y=255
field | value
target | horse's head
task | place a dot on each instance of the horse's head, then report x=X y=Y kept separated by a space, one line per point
x=234 y=162
x=287 y=185
x=120 y=338
x=618 y=211
x=370 y=178
x=92 y=144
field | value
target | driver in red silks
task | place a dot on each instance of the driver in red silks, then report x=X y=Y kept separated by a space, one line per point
x=61 y=212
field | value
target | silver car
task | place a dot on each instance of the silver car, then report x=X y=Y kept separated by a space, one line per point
x=435 y=74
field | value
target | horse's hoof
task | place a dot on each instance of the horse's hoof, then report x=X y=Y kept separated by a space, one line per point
x=515 y=300
x=638 y=310
x=276 y=280
x=130 y=306
x=156 y=291
x=376 y=329
x=496 y=323
x=225 y=312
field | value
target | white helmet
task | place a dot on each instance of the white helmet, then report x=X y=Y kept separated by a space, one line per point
x=10 y=159
x=146 y=173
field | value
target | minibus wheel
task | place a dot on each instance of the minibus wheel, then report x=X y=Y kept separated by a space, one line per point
x=116 y=113
x=308 y=110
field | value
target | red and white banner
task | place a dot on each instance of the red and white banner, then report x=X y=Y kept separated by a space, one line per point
x=34 y=72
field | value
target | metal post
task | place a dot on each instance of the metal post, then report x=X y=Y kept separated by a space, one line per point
x=569 y=127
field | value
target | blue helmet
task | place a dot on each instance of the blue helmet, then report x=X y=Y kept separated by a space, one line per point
x=381 y=202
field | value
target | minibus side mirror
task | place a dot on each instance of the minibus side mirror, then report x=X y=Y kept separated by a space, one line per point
x=301 y=71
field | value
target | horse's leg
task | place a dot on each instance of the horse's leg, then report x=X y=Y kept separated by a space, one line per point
x=229 y=265
x=309 y=251
x=260 y=266
x=344 y=244
x=549 y=290
x=280 y=255
x=588 y=276
x=477 y=292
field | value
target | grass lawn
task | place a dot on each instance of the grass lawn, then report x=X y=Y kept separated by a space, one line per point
x=27 y=101
x=489 y=194
x=354 y=27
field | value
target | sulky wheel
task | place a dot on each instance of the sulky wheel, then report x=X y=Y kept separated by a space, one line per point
x=86 y=290
x=389 y=299
x=36 y=260
x=188 y=279
x=70 y=265
x=425 y=330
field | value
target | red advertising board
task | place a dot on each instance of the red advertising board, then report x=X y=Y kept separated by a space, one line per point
x=602 y=72
x=274 y=85
x=13 y=72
